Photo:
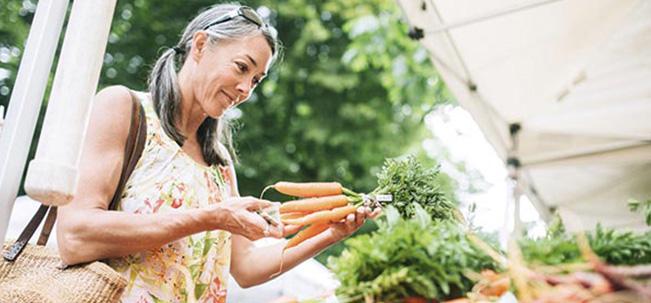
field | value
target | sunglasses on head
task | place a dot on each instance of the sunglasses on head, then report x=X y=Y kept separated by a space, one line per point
x=244 y=11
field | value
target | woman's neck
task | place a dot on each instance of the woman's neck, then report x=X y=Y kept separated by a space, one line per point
x=192 y=116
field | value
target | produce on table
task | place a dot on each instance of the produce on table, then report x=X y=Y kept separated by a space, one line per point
x=590 y=281
x=614 y=247
x=415 y=257
x=424 y=252
x=421 y=226
x=604 y=265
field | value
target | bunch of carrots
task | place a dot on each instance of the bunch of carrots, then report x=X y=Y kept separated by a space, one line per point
x=319 y=204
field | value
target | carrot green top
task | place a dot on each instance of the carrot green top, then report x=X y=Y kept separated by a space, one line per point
x=167 y=180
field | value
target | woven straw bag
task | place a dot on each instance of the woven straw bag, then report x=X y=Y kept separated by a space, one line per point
x=34 y=273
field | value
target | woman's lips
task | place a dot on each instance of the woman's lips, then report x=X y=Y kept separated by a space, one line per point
x=231 y=100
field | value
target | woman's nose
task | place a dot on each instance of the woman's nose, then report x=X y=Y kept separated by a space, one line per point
x=244 y=89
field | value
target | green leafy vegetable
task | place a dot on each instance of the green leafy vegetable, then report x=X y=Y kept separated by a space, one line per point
x=410 y=183
x=615 y=247
x=408 y=257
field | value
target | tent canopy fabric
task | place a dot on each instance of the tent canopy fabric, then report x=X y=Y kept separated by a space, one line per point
x=563 y=86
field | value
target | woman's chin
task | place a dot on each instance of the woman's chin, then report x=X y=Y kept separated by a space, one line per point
x=216 y=114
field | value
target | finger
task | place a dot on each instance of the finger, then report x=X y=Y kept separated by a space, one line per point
x=376 y=212
x=275 y=232
x=351 y=222
x=253 y=204
x=360 y=216
x=266 y=231
x=255 y=223
x=290 y=229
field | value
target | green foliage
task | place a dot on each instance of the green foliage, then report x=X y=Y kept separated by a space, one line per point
x=615 y=247
x=643 y=207
x=15 y=16
x=408 y=257
x=625 y=248
x=411 y=183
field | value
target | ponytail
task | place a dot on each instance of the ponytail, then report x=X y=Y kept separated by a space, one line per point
x=166 y=94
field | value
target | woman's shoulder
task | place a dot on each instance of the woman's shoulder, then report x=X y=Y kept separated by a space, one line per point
x=111 y=111
x=115 y=97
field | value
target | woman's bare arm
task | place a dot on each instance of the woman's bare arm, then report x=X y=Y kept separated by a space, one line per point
x=86 y=231
x=245 y=253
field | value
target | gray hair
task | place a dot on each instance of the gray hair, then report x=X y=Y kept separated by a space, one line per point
x=164 y=87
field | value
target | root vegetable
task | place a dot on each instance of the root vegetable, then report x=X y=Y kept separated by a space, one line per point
x=324 y=216
x=309 y=189
x=305 y=234
x=314 y=204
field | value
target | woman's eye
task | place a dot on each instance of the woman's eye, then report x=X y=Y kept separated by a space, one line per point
x=242 y=67
x=256 y=81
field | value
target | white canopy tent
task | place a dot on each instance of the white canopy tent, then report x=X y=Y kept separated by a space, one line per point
x=560 y=88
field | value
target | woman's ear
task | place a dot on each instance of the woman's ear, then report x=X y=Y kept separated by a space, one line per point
x=199 y=43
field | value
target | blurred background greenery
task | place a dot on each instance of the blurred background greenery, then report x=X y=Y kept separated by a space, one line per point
x=352 y=89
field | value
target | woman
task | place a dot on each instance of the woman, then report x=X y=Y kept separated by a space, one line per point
x=182 y=225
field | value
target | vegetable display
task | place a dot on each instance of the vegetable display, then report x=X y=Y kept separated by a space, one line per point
x=424 y=250
x=414 y=257
x=614 y=247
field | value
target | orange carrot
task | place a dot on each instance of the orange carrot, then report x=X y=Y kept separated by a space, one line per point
x=305 y=234
x=314 y=204
x=324 y=216
x=309 y=189
x=292 y=215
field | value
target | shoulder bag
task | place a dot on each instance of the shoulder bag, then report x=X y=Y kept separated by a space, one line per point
x=34 y=273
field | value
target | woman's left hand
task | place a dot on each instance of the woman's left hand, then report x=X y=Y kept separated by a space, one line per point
x=353 y=222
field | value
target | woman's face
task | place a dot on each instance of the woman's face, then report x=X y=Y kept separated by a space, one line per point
x=227 y=72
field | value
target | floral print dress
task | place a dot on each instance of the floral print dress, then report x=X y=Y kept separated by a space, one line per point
x=167 y=180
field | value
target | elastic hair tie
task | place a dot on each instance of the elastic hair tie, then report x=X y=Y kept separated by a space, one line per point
x=178 y=50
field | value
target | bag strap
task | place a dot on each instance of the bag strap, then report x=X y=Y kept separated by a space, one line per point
x=132 y=151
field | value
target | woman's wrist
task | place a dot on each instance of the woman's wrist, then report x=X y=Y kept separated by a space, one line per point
x=213 y=217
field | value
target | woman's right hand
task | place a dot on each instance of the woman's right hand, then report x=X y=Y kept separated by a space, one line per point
x=238 y=215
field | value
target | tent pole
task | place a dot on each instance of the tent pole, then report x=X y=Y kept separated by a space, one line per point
x=516 y=194
x=52 y=175
x=25 y=101
x=532 y=194
x=513 y=169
